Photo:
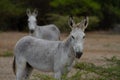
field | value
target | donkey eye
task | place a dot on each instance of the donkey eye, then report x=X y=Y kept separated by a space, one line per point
x=73 y=37
x=83 y=37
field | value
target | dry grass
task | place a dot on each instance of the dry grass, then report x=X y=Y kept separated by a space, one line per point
x=99 y=45
x=8 y=41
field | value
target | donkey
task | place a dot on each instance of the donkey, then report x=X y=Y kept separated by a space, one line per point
x=45 y=55
x=49 y=32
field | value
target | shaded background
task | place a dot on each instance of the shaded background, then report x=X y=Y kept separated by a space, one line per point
x=104 y=14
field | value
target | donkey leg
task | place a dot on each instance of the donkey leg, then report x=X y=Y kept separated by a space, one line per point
x=57 y=75
x=20 y=67
x=27 y=71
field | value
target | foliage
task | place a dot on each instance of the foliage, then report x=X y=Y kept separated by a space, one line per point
x=75 y=7
x=9 y=11
x=62 y=22
x=6 y=6
x=111 y=72
x=108 y=11
x=93 y=23
x=105 y=13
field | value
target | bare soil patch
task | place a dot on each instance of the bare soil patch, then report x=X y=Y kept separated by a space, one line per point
x=97 y=46
x=8 y=41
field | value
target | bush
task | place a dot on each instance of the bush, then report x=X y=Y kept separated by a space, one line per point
x=93 y=23
x=62 y=22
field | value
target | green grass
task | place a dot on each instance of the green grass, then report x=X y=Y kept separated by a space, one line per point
x=7 y=54
x=111 y=72
x=89 y=71
x=42 y=77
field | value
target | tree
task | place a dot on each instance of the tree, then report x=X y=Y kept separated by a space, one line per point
x=76 y=7
x=108 y=11
x=8 y=14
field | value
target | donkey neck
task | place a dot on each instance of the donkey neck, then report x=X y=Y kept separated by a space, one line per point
x=68 y=41
x=68 y=47
x=36 y=25
x=68 y=44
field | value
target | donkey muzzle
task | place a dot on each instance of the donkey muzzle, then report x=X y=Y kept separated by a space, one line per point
x=31 y=31
x=78 y=54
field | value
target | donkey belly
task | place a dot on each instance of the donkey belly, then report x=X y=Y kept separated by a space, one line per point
x=49 y=33
x=38 y=53
x=41 y=63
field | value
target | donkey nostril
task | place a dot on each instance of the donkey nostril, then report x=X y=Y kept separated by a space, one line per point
x=78 y=54
x=31 y=31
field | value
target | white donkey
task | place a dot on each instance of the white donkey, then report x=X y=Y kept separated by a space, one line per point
x=47 y=55
x=49 y=32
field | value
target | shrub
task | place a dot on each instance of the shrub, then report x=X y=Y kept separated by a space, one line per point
x=62 y=22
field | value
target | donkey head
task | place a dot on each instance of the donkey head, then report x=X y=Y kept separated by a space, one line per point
x=32 y=19
x=77 y=34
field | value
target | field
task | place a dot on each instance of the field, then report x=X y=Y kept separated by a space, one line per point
x=100 y=49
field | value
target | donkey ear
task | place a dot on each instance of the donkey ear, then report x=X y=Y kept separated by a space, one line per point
x=71 y=22
x=28 y=12
x=35 y=12
x=86 y=20
x=84 y=23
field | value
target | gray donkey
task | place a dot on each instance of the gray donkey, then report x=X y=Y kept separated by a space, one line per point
x=49 y=32
x=44 y=55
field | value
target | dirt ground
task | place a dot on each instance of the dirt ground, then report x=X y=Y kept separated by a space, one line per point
x=97 y=46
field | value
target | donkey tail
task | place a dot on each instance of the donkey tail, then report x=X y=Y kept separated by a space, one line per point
x=14 y=67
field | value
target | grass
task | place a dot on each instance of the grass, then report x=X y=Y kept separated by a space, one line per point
x=111 y=72
x=89 y=71
x=42 y=77
x=7 y=54
x=8 y=41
